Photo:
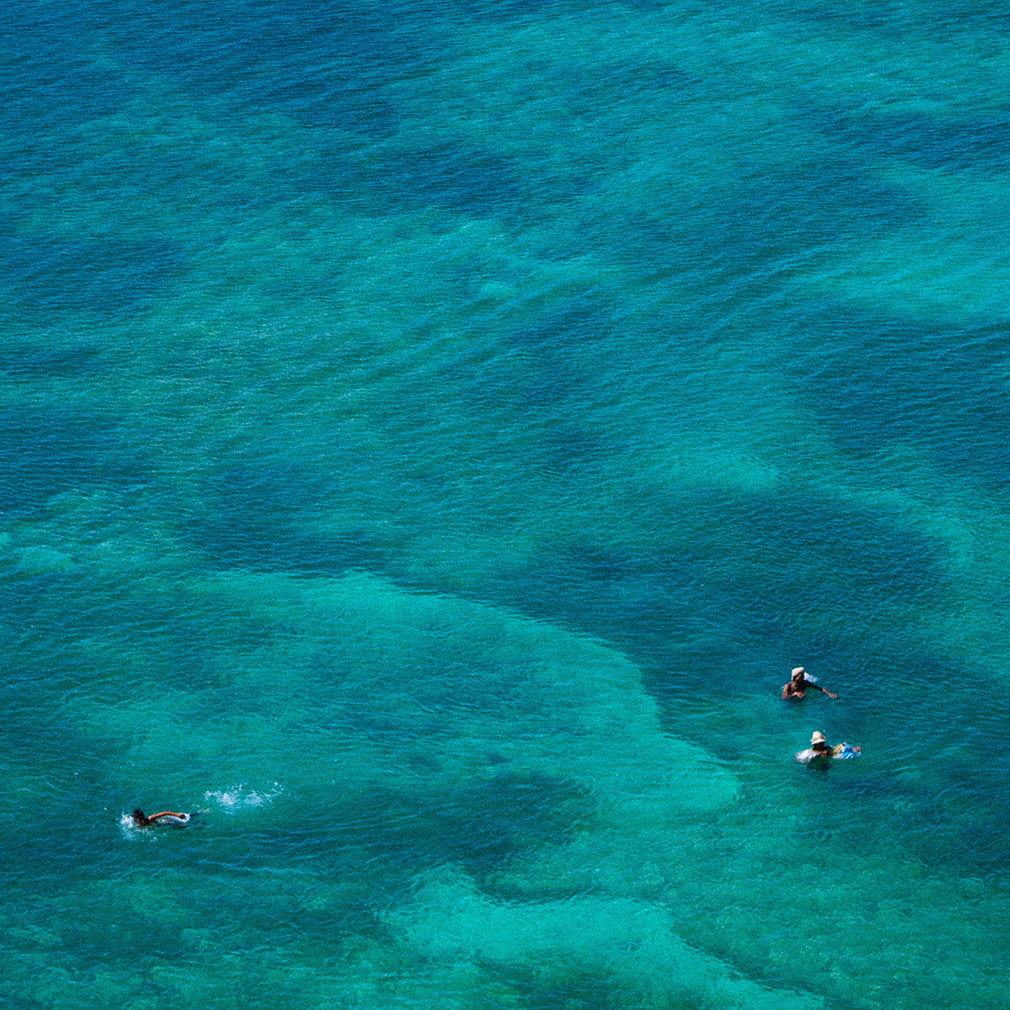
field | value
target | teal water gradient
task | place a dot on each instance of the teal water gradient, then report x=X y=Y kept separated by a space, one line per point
x=431 y=435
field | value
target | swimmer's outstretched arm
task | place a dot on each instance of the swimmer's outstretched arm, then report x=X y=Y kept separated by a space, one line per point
x=167 y=813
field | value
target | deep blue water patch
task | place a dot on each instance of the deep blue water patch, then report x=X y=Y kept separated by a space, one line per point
x=649 y=603
x=881 y=380
x=49 y=450
x=487 y=824
x=612 y=95
x=480 y=182
x=322 y=64
x=933 y=21
x=343 y=99
x=67 y=858
x=178 y=634
x=962 y=833
x=50 y=78
x=886 y=19
x=456 y=177
x=748 y=242
x=584 y=319
x=272 y=545
x=814 y=204
x=253 y=520
x=481 y=827
x=525 y=10
x=979 y=144
x=379 y=843
x=814 y=555
x=881 y=18
x=833 y=556
x=607 y=591
x=549 y=385
x=21 y=359
x=970 y=17
x=475 y=181
x=103 y=276
x=628 y=80
x=680 y=8
x=567 y=449
x=51 y=847
x=560 y=348
x=28 y=603
x=567 y=986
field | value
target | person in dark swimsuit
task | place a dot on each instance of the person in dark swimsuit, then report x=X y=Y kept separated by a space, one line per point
x=163 y=817
x=798 y=684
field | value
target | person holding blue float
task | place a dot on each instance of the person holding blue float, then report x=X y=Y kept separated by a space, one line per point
x=819 y=753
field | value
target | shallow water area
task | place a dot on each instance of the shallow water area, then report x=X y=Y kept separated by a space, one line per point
x=432 y=437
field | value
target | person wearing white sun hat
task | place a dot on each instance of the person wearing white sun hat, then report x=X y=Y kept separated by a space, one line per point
x=818 y=752
x=799 y=681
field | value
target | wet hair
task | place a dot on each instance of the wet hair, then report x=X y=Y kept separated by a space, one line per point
x=139 y=816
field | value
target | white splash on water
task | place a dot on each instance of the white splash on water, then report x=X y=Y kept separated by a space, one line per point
x=241 y=797
x=130 y=829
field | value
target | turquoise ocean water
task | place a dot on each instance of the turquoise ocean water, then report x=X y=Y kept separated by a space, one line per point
x=432 y=432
